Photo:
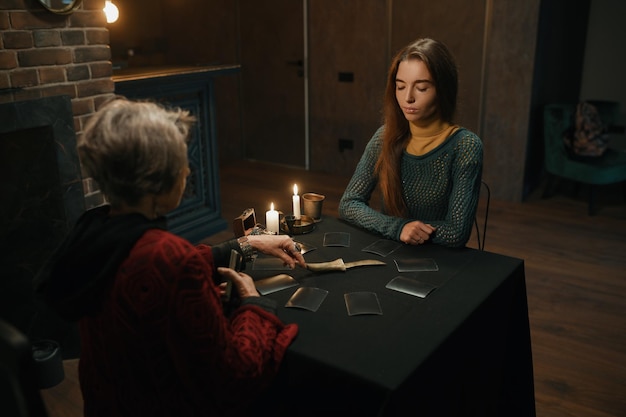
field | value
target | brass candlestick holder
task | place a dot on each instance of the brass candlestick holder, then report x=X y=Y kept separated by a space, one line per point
x=289 y=224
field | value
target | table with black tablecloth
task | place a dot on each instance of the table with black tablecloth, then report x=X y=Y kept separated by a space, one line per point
x=463 y=350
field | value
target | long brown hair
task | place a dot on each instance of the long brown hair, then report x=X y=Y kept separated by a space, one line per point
x=442 y=68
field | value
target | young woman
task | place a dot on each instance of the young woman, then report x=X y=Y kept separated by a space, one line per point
x=428 y=169
x=155 y=340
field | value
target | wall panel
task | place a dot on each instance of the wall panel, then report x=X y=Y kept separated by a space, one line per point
x=351 y=41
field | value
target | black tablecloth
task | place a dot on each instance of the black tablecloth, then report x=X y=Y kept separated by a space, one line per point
x=464 y=350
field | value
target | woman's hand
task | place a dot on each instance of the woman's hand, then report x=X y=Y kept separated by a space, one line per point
x=416 y=233
x=242 y=283
x=280 y=246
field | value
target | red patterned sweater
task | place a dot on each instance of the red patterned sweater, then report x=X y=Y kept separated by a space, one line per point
x=162 y=346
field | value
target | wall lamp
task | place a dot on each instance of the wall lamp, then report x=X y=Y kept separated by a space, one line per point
x=111 y=11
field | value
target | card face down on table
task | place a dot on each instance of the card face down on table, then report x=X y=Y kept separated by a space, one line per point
x=416 y=264
x=382 y=247
x=337 y=239
x=362 y=302
x=276 y=283
x=308 y=298
x=410 y=286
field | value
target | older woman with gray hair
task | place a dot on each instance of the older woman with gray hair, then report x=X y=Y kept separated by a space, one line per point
x=155 y=337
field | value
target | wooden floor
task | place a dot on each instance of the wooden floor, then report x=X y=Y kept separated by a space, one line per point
x=575 y=275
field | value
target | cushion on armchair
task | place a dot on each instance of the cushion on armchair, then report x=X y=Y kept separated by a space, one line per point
x=587 y=137
x=609 y=168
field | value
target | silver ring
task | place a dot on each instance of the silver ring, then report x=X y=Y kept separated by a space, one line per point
x=296 y=247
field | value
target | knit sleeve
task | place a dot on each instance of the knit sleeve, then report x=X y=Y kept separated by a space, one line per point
x=440 y=188
x=455 y=229
x=354 y=205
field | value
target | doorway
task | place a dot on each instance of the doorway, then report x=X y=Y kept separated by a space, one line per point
x=273 y=76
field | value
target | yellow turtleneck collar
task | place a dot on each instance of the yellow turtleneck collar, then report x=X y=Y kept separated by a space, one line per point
x=427 y=137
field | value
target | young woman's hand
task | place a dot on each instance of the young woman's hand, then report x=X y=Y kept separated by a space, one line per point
x=280 y=246
x=416 y=233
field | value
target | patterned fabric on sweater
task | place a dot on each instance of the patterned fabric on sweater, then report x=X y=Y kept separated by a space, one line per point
x=159 y=344
x=440 y=188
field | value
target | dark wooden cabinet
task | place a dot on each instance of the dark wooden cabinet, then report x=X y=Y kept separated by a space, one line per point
x=191 y=88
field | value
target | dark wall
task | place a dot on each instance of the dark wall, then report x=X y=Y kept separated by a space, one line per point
x=557 y=76
x=350 y=41
x=509 y=39
x=494 y=42
x=138 y=37
x=41 y=202
x=198 y=32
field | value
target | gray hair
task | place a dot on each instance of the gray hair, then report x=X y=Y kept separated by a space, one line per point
x=135 y=148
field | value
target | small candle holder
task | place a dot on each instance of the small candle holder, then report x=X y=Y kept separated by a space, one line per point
x=289 y=224
x=290 y=220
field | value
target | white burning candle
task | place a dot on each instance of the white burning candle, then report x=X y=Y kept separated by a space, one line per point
x=296 y=202
x=271 y=219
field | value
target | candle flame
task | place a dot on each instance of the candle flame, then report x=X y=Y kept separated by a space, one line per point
x=272 y=206
x=295 y=189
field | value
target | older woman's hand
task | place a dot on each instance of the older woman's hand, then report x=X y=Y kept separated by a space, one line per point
x=280 y=246
x=242 y=283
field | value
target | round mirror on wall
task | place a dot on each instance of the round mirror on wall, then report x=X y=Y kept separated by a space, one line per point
x=61 y=6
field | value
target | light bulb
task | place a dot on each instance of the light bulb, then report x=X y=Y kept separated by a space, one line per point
x=111 y=11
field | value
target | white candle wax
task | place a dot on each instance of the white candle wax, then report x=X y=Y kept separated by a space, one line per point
x=271 y=219
x=296 y=202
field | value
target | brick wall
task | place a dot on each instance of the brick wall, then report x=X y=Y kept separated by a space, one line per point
x=43 y=54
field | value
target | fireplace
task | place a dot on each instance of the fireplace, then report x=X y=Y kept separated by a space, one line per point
x=42 y=197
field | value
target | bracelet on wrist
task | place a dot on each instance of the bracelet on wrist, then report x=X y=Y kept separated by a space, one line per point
x=246 y=248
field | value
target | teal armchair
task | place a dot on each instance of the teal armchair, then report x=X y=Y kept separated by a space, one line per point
x=609 y=169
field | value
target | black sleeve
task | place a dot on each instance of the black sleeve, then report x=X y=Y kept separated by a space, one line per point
x=266 y=304
x=221 y=252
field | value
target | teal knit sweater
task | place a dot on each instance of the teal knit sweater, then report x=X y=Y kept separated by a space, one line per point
x=440 y=188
